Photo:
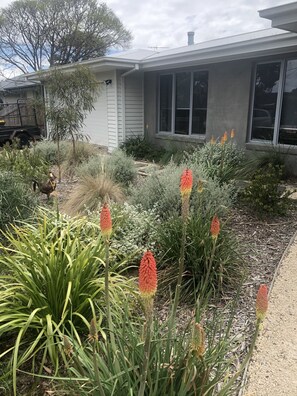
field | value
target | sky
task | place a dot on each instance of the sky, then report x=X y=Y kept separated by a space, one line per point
x=164 y=24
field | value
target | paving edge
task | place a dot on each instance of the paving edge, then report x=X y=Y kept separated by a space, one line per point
x=285 y=253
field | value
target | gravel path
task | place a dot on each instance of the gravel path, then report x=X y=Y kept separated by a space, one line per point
x=273 y=369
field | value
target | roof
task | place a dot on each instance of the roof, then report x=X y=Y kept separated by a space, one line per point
x=242 y=46
x=273 y=41
x=16 y=83
x=283 y=16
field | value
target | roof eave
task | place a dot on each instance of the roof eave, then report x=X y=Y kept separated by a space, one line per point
x=286 y=42
x=282 y=17
x=98 y=64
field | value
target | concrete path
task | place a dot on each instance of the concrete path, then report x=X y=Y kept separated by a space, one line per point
x=273 y=368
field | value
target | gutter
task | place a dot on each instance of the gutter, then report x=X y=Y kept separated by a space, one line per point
x=123 y=76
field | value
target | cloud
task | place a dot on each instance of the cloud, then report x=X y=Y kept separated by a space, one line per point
x=165 y=23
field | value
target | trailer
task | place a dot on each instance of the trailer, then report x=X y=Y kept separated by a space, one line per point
x=19 y=121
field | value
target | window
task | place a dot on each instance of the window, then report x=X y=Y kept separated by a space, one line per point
x=183 y=103
x=275 y=103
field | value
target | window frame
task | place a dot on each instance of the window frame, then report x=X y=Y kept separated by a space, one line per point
x=279 y=102
x=173 y=103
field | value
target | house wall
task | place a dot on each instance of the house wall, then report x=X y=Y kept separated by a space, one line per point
x=229 y=86
x=134 y=112
x=101 y=123
x=130 y=105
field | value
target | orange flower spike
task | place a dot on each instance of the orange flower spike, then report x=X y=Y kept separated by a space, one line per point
x=148 y=275
x=215 y=227
x=105 y=221
x=262 y=302
x=186 y=183
x=225 y=136
x=212 y=140
x=232 y=133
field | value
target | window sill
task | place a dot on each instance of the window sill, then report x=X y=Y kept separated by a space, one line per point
x=268 y=146
x=181 y=138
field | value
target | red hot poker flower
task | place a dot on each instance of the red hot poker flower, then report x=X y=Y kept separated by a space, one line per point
x=232 y=133
x=262 y=302
x=105 y=221
x=186 y=183
x=215 y=227
x=148 y=275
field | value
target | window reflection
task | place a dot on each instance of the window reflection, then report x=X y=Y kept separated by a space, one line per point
x=182 y=109
x=265 y=99
x=288 y=124
x=200 y=89
x=165 y=103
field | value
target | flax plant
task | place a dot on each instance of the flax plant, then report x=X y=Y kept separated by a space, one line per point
x=54 y=281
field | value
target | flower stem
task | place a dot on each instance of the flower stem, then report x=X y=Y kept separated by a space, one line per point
x=147 y=347
x=99 y=390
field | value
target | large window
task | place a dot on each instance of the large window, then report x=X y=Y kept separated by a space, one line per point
x=183 y=103
x=275 y=103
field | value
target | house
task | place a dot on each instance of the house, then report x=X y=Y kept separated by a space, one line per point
x=187 y=95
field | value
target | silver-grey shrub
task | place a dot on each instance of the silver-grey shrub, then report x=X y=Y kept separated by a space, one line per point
x=120 y=167
x=47 y=149
x=161 y=191
x=93 y=167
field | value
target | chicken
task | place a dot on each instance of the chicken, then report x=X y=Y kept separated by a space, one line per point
x=47 y=187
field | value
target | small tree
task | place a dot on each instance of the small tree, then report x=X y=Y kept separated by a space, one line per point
x=69 y=97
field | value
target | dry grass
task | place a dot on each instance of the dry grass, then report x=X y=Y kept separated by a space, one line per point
x=90 y=192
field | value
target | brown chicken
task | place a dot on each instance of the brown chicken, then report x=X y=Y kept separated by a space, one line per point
x=47 y=187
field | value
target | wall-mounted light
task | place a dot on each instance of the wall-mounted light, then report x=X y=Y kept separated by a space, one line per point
x=108 y=82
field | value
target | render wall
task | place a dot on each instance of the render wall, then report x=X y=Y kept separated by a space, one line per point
x=229 y=86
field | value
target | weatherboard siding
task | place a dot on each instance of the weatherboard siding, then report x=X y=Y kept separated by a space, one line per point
x=134 y=120
x=112 y=113
x=96 y=122
x=120 y=107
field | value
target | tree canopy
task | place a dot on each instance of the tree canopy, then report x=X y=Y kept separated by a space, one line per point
x=35 y=34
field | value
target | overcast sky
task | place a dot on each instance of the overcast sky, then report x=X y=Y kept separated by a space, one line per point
x=165 y=23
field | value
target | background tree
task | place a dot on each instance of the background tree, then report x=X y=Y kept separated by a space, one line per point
x=35 y=34
x=69 y=97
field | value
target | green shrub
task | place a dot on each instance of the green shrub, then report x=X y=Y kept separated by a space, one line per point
x=139 y=148
x=47 y=150
x=226 y=271
x=264 y=194
x=120 y=167
x=161 y=191
x=25 y=163
x=55 y=283
x=16 y=200
x=219 y=161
